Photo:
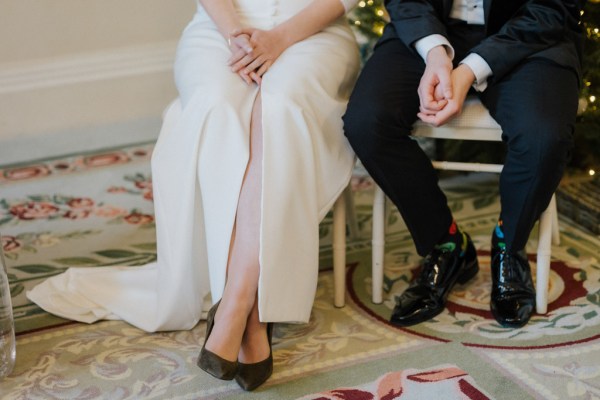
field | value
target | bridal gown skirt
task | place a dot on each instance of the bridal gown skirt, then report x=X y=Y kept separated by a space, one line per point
x=197 y=169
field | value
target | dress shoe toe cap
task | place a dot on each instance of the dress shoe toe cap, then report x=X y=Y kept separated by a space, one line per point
x=416 y=313
x=513 y=312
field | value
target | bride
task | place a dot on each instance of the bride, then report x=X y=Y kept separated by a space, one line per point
x=248 y=162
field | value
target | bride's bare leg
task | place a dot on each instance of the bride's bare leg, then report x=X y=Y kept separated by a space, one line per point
x=255 y=345
x=238 y=301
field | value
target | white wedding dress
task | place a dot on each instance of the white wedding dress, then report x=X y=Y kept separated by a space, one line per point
x=197 y=169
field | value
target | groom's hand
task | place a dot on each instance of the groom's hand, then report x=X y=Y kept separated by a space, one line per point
x=435 y=88
x=462 y=79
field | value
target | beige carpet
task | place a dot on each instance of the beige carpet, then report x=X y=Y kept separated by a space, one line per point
x=96 y=209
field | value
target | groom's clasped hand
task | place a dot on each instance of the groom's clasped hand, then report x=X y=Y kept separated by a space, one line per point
x=442 y=89
x=253 y=52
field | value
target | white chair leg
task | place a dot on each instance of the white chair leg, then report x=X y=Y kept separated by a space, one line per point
x=387 y=213
x=378 y=245
x=543 y=260
x=339 y=251
x=351 y=213
x=554 y=211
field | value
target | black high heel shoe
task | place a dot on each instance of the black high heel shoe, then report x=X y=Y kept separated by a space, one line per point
x=251 y=376
x=211 y=362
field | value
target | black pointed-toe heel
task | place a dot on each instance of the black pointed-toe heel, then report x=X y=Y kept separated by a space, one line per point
x=251 y=376
x=211 y=362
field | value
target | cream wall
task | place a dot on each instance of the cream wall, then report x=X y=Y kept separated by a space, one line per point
x=68 y=68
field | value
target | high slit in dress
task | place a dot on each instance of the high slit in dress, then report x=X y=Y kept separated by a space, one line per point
x=198 y=165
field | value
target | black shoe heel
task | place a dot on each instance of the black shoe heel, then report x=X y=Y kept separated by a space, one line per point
x=210 y=362
x=512 y=300
x=472 y=265
x=251 y=376
x=469 y=274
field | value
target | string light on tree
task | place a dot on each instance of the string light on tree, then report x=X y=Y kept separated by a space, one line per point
x=369 y=19
x=586 y=153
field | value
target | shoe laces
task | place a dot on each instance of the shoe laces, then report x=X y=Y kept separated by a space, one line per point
x=430 y=272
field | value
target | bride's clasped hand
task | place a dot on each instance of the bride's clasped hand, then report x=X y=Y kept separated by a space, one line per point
x=253 y=52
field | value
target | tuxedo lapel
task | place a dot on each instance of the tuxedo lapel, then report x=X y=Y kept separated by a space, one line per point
x=447 y=8
x=487 y=5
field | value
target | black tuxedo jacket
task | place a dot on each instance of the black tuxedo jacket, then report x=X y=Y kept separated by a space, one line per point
x=515 y=29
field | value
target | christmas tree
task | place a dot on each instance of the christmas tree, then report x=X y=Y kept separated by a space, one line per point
x=369 y=19
x=586 y=154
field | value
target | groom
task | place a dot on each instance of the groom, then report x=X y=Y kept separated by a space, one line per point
x=522 y=59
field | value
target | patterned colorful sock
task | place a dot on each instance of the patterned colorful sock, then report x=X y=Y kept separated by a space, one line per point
x=498 y=237
x=454 y=240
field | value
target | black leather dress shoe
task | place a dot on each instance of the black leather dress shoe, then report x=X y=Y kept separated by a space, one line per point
x=426 y=296
x=513 y=295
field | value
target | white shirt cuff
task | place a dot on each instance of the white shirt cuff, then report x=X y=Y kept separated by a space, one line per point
x=429 y=42
x=481 y=69
x=349 y=4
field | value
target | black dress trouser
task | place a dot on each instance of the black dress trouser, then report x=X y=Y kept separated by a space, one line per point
x=535 y=105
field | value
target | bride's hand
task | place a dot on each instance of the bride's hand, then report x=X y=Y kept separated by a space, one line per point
x=240 y=47
x=267 y=47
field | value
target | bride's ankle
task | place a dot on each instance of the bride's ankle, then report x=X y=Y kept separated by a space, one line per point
x=238 y=301
x=234 y=313
x=255 y=344
x=228 y=331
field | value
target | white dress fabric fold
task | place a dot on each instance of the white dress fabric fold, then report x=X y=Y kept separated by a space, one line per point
x=198 y=166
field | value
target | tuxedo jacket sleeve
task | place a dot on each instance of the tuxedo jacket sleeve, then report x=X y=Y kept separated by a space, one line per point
x=515 y=29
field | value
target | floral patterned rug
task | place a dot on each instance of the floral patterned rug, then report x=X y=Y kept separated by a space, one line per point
x=96 y=209
x=443 y=382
